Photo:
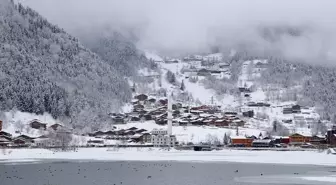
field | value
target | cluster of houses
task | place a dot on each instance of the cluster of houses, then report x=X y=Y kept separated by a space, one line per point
x=295 y=109
x=149 y=108
x=199 y=66
x=132 y=134
x=296 y=139
x=156 y=137
x=44 y=140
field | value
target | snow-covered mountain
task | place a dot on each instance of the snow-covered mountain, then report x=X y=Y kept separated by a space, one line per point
x=44 y=69
x=239 y=85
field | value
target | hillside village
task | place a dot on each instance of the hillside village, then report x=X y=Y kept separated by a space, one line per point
x=246 y=116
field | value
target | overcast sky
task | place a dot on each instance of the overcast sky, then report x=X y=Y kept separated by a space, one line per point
x=180 y=26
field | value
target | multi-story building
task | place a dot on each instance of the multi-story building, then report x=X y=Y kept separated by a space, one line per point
x=161 y=138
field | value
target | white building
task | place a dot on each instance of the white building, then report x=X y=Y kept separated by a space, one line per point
x=45 y=142
x=161 y=138
x=165 y=137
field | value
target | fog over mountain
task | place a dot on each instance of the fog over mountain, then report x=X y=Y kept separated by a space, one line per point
x=301 y=29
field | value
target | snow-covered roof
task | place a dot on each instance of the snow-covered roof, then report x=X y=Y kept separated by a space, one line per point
x=136 y=135
x=236 y=120
x=262 y=141
x=280 y=137
x=237 y=137
x=3 y=139
x=303 y=134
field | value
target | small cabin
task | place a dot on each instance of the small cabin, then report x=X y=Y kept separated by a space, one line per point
x=56 y=126
x=263 y=143
x=299 y=138
x=141 y=97
x=241 y=141
x=36 y=124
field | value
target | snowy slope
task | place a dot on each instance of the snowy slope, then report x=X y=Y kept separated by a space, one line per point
x=153 y=56
x=18 y=121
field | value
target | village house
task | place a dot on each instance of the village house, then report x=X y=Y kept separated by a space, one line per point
x=171 y=61
x=43 y=142
x=141 y=97
x=36 y=124
x=142 y=137
x=249 y=114
x=281 y=140
x=5 y=139
x=299 y=139
x=6 y=134
x=203 y=72
x=221 y=123
x=287 y=110
x=241 y=141
x=331 y=136
x=56 y=126
x=263 y=143
x=318 y=140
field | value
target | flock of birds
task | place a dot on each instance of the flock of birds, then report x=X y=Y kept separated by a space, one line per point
x=81 y=171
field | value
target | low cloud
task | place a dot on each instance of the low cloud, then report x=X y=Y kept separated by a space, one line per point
x=299 y=30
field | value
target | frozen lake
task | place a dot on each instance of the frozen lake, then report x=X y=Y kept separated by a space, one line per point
x=162 y=173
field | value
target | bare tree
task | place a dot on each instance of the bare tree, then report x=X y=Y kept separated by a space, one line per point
x=61 y=138
x=19 y=125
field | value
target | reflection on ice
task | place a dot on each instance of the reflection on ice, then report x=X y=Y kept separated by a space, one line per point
x=322 y=179
x=288 y=179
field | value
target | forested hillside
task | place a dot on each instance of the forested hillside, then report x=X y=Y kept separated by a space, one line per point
x=318 y=83
x=44 y=69
x=117 y=51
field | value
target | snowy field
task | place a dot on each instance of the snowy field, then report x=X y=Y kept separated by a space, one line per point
x=154 y=154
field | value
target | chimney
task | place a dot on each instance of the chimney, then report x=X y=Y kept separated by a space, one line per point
x=170 y=115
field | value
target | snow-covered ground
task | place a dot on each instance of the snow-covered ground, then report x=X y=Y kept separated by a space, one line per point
x=18 y=121
x=154 y=154
x=198 y=91
x=331 y=178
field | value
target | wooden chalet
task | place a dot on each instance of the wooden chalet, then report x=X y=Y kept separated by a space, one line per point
x=263 y=143
x=281 y=140
x=221 y=123
x=142 y=138
x=249 y=114
x=318 y=140
x=56 y=126
x=241 y=141
x=287 y=111
x=331 y=136
x=5 y=140
x=36 y=124
x=141 y=97
x=298 y=139
x=6 y=134
x=203 y=72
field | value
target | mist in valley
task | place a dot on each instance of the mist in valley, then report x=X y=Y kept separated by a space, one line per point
x=298 y=30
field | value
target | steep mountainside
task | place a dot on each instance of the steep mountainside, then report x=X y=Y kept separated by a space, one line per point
x=117 y=51
x=44 y=69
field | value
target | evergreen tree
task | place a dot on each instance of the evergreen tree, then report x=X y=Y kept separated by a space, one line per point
x=182 y=86
x=225 y=139
x=170 y=76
